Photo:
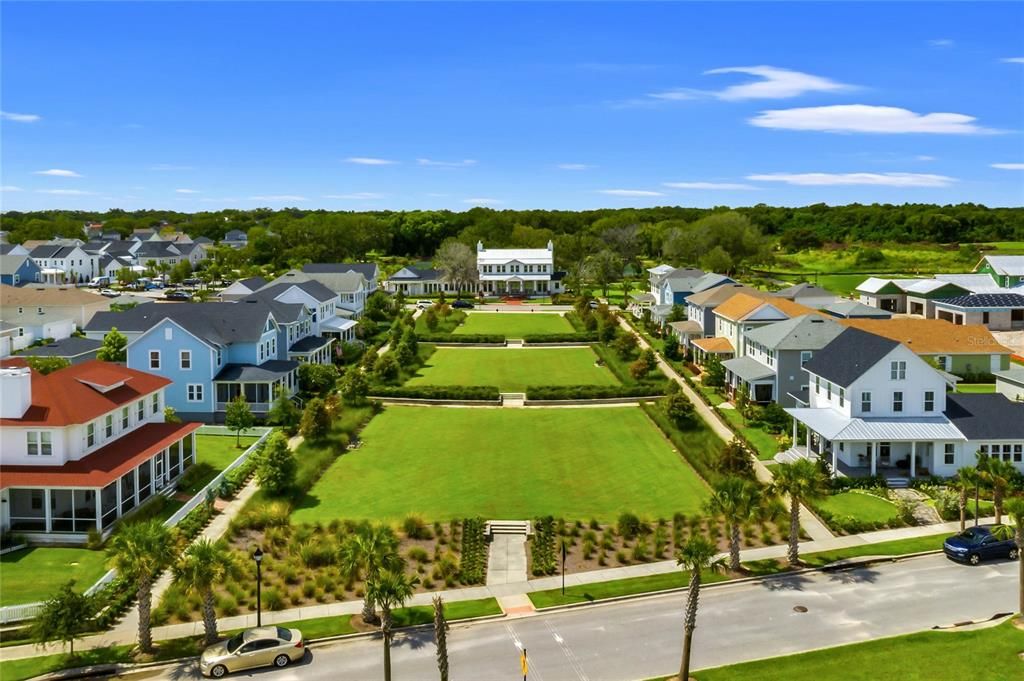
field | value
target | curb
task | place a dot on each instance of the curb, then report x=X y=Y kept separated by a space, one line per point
x=958 y=625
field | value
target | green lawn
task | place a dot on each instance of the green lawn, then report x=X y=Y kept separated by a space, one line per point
x=513 y=370
x=33 y=574
x=861 y=506
x=764 y=442
x=213 y=454
x=501 y=463
x=514 y=324
x=980 y=655
x=976 y=387
x=618 y=587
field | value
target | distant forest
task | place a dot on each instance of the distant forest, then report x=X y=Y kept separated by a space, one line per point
x=746 y=236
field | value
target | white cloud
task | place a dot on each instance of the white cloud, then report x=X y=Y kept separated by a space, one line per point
x=867 y=118
x=186 y=191
x=57 y=172
x=169 y=166
x=922 y=157
x=849 y=179
x=464 y=163
x=10 y=188
x=277 y=198
x=1008 y=166
x=775 y=83
x=708 y=185
x=367 y=161
x=636 y=193
x=574 y=166
x=65 y=192
x=18 y=117
x=942 y=43
x=1013 y=60
x=356 y=196
x=482 y=201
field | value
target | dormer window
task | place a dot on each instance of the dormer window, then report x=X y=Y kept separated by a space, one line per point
x=897 y=370
x=39 y=443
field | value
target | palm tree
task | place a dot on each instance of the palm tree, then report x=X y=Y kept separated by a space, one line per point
x=997 y=474
x=441 y=637
x=736 y=500
x=204 y=564
x=697 y=555
x=391 y=589
x=962 y=484
x=802 y=481
x=971 y=476
x=139 y=551
x=367 y=552
x=1015 y=509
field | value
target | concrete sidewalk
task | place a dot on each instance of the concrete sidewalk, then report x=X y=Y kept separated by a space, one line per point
x=505 y=593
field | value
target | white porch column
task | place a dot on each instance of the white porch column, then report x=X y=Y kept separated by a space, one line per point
x=835 y=459
x=874 y=456
x=46 y=507
x=808 y=439
x=913 y=458
x=98 y=492
x=794 y=432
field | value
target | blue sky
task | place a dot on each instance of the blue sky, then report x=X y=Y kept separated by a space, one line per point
x=351 y=106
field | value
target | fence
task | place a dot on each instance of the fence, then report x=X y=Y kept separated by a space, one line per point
x=18 y=613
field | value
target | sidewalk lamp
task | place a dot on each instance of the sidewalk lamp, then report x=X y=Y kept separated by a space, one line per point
x=258 y=557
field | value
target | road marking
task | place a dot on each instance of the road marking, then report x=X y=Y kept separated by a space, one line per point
x=574 y=661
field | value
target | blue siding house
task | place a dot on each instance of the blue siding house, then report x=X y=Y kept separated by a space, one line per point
x=18 y=270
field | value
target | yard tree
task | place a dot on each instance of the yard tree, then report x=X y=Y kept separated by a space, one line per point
x=370 y=550
x=203 y=565
x=457 y=263
x=386 y=369
x=998 y=475
x=283 y=413
x=736 y=500
x=354 y=387
x=366 y=327
x=171 y=416
x=441 y=637
x=625 y=345
x=734 y=459
x=409 y=338
x=114 y=348
x=404 y=355
x=602 y=269
x=47 y=365
x=742 y=400
x=679 y=410
x=714 y=372
x=644 y=364
x=671 y=350
x=963 y=483
x=430 y=319
x=718 y=260
x=238 y=417
x=391 y=589
x=181 y=271
x=139 y=551
x=697 y=555
x=277 y=465
x=317 y=379
x=316 y=422
x=803 y=480
x=65 y=616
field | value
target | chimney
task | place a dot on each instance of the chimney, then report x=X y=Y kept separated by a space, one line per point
x=551 y=245
x=479 y=246
x=15 y=392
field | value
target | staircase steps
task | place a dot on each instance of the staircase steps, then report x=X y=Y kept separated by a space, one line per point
x=898 y=483
x=493 y=527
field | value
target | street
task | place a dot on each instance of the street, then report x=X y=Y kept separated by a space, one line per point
x=639 y=639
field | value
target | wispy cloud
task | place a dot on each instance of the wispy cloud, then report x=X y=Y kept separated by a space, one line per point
x=923 y=157
x=629 y=193
x=709 y=185
x=169 y=166
x=464 y=163
x=186 y=191
x=574 y=166
x=368 y=161
x=1013 y=60
x=1008 y=166
x=482 y=201
x=849 y=179
x=19 y=117
x=10 y=188
x=57 y=172
x=355 y=196
x=870 y=119
x=941 y=43
x=774 y=83
x=277 y=198
x=65 y=192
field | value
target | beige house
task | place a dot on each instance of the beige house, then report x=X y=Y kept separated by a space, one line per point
x=62 y=302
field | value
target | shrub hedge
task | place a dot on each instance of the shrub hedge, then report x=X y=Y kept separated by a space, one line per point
x=591 y=392
x=698 y=445
x=467 y=338
x=439 y=392
x=577 y=337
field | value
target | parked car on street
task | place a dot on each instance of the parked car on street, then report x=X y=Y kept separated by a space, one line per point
x=424 y=304
x=109 y=293
x=980 y=543
x=462 y=305
x=178 y=295
x=192 y=281
x=258 y=647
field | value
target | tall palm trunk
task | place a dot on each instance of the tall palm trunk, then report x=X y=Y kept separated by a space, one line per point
x=963 y=508
x=209 y=617
x=997 y=503
x=1020 y=567
x=794 y=531
x=441 y=638
x=145 y=597
x=977 y=503
x=734 y=546
x=689 y=623
x=386 y=630
x=369 y=610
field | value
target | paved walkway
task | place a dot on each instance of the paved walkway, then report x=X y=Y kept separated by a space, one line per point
x=510 y=593
x=506 y=559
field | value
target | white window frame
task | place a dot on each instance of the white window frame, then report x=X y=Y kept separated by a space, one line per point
x=140 y=411
x=185 y=360
x=898 y=370
x=865 y=399
x=90 y=434
x=154 y=355
x=896 y=401
x=156 y=403
x=928 y=400
x=126 y=418
x=194 y=392
x=108 y=426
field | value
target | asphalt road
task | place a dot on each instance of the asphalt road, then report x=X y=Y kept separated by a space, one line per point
x=639 y=639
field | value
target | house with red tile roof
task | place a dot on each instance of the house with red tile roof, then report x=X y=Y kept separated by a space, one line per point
x=83 y=446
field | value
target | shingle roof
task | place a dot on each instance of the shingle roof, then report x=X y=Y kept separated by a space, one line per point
x=253 y=283
x=217 y=323
x=803 y=290
x=309 y=344
x=806 y=332
x=739 y=306
x=849 y=356
x=268 y=371
x=9 y=264
x=48 y=295
x=313 y=287
x=985 y=300
x=851 y=309
x=716 y=345
x=75 y=346
x=415 y=274
x=338 y=282
x=367 y=269
x=716 y=296
x=988 y=416
x=933 y=336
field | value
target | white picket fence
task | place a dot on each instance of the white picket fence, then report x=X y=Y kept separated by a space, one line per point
x=25 y=611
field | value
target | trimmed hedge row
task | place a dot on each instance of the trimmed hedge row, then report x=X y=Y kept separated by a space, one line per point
x=698 y=457
x=461 y=338
x=439 y=392
x=577 y=337
x=591 y=392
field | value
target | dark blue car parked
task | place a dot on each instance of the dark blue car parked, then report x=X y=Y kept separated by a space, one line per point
x=976 y=544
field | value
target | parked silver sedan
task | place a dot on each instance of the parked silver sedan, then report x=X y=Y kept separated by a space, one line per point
x=259 y=647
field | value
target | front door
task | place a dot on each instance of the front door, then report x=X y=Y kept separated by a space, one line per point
x=884 y=450
x=159 y=478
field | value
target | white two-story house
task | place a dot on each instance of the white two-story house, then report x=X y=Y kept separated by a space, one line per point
x=82 y=446
x=517 y=271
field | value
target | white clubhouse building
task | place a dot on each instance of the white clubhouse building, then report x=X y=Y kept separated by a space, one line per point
x=517 y=271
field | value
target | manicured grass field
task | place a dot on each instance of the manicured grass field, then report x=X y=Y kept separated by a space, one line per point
x=514 y=324
x=513 y=370
x=213 y=454
x=979 y=655
x=764 y=442
x=34 y=574
x=501 y=463
x=976 y=388
x=863 y=507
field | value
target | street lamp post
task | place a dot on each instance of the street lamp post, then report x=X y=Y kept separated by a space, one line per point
x=258 y=557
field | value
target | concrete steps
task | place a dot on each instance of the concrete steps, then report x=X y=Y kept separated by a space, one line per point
x=898 y=483
x=521 y=527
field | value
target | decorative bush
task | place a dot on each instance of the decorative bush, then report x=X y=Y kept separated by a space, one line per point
x=544 y=546
x=474 y=551
x=439 y=392
x=462 y=338
x=592 y=392
x=415 y=527
x=576 y=337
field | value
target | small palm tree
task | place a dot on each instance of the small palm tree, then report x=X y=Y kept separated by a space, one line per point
x=698 y=555
x=139 y=551
x=971 y=479
x=1015 y=509
x=391 y=589
x=736 y=500
x=802 y=481
x=204 y=564
x=997 y=475
x=962 y=484
x=367 y=552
